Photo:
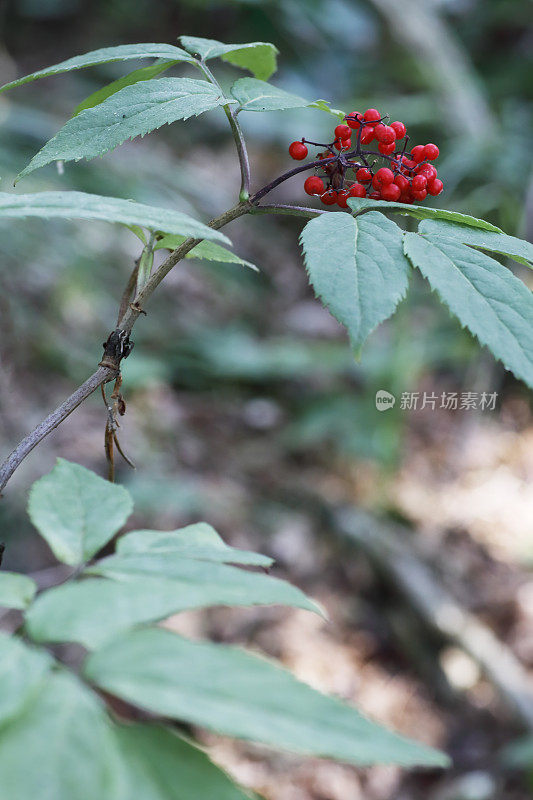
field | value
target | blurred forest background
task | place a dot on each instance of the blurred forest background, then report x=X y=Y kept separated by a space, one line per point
x=245 y=405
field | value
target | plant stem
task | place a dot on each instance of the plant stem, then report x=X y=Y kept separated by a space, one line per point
x=285 y=208
x=105 y=374
x=54 y=419
x=286 y=175
x=237 y=135
x=132 y=312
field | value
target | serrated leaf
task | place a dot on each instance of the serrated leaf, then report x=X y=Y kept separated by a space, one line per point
x=485 y=296
x=148 y=588
x=60 y=747
x=16 y=591
x=142 y=74
x=257 y=57
x=255 y=95
x=106 y=55
x=22 y=672
x=209 y=251
x=158 y=764
x=76 y=511
x=238 y=694
x=79 y=205
x=133 y=111
x=518 y=249
x=357 y=268
x=360 y=204
x=197 y=541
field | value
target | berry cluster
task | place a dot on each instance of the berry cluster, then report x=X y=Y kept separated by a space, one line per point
x=407 y=178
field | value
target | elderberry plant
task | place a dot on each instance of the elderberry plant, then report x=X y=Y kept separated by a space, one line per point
x=69 y=734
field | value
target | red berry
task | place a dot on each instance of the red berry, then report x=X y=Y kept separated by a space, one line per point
x=399 y=129
x=386 y=149
x=298 y=150
x=384 y=175
x=385 y=134
x=435 y=186
x=402 y=182
x=343 y=144
x=353 y=120
x=329 y=198
x=372 y=114
x=427 y=170
x=431 y=152
x=391 y=192
x=419 y=182
x=418 y=153
x=314 y=185
x=342 y=197
x=408 y=163
x=367 y=135
x=375 y=195
x=343 y=132
x=406 y=198
x=420 y=195
x=363 y=175
x=356 y=190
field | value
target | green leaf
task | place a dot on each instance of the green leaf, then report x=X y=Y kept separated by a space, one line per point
x=359 y=204
x=79 y=205
x=238 y=694
x=160 y=765
x=106 y=55
x=133 y=111
x=199 y=541
x=76 y=511
x=16 y=591
x=148 y=588
x=485 y=296
x=22 y=672
x=142 y=74
x=257 y=57
x=323 y=105
x=60 y=747
x=501 y=243
x=209 y=251
x=255 y=95
x=357 y=268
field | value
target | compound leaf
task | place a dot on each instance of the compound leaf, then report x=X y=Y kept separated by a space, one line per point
x=359 y=204
x=502 y=243
x=79 y=205
x=199 y=541
x=22 y=672
x=160 y=765
x=239 y=694
x=76 y=511
x=257 y=57
x=60 y=747
x=485 y=296
x=133 y=111
x=209 y=251
x=147 y=588
x=106 y=55
x=357 y=268
x=142 y=74
x=256 y=95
